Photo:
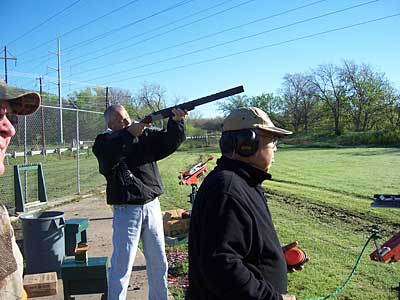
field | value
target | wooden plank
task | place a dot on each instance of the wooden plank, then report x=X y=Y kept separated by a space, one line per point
x=39 y=285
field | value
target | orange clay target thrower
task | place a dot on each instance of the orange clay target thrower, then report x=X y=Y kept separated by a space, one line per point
x=191 y=176
x=390 y=250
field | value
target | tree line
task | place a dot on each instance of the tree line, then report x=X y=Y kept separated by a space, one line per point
x=330 y=99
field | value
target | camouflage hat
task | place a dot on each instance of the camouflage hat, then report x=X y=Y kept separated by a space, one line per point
x=21 y=102
x=251 y=117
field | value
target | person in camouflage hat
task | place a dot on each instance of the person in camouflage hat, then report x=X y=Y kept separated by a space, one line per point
x=21 y=102
x=13 y=102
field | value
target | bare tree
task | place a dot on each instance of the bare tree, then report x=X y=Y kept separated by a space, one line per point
x=121 y=96
x=391 y=108
x=149 y=98
x=299 y=95
x=232 y=103
x=331 y=90
x=365 y=90
x=292 y=99
x=268 y=102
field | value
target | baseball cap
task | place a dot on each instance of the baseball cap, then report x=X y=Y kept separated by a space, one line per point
x=251 y=117
x=21 y=101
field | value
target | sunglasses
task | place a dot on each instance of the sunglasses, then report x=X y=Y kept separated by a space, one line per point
x=273 y=139
x=12 y=118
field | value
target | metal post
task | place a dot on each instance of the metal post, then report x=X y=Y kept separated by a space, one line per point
x=60 y=92
x=25 y=162
x=107 y=101
x=42 y=117
x=398 y=289
x=78 y=178
x=5 y=64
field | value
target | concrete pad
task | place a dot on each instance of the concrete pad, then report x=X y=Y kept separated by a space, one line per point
x=99 y=235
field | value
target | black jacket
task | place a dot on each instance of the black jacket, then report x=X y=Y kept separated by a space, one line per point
x=234 y=251
x=129 y=163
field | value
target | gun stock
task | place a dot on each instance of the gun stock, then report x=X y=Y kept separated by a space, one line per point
x=167 y=112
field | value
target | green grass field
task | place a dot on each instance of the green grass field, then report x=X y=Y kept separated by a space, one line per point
x=60 y=176
x=322 y=197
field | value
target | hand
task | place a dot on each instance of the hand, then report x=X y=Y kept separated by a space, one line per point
x=136 y=129
x=290 y=246
x=179 y=114
x=288 y=297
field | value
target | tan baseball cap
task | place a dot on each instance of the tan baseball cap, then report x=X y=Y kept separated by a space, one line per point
x=21 y=101
x=251 y=117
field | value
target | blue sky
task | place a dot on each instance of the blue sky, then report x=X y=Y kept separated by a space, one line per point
x=193 y=48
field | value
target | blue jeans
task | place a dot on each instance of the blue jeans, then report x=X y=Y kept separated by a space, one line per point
x=130 y=223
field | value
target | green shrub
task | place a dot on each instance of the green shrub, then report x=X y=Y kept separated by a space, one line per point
x=369 y=138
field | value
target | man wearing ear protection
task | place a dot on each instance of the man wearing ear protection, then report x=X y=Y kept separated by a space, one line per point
x=234 y=250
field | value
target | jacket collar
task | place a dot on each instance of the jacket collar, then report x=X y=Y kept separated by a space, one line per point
x=251 y=174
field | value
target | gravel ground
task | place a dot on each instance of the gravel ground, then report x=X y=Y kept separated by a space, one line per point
x=99 y=235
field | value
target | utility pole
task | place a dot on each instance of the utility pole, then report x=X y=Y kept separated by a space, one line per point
x=40 y=78
x=5 y=63
x=60 y=92
x=107 y=101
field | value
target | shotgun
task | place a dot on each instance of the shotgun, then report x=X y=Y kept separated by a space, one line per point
x=167 y=112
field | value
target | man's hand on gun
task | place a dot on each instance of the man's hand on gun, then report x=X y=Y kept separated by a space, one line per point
x=179 y=114
x=136 y=129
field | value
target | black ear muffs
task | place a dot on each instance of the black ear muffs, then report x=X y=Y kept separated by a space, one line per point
x=243 y=142
x=246 y=142
x=227 y=142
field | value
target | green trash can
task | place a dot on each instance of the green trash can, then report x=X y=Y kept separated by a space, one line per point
x=44 y=245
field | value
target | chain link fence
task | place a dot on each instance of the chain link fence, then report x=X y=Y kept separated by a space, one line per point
x=46 y=138
x=50 y=138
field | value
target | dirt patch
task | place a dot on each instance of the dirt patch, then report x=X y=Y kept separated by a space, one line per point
x=325 y=213
x=178 y=268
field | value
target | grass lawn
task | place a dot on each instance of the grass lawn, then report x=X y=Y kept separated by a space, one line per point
x=321 y=197
x=59 y=173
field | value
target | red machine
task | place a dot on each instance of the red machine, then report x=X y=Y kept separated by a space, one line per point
x=191 y=176
x=389 y=251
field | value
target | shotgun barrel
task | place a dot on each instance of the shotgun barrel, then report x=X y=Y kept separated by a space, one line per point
x=167 y=112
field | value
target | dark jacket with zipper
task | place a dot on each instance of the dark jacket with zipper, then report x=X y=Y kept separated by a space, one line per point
x=129 y=163
x=234 y=251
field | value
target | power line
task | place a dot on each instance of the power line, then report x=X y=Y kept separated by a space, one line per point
x=151 y=30
x=239 y=39
x=81 y=26
x=101 y=17
x=258 y=48
x=33 y=76
x=170 y=30
x=44 y=22
x=45 y=60
x=95 y=38
x=204 y=36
